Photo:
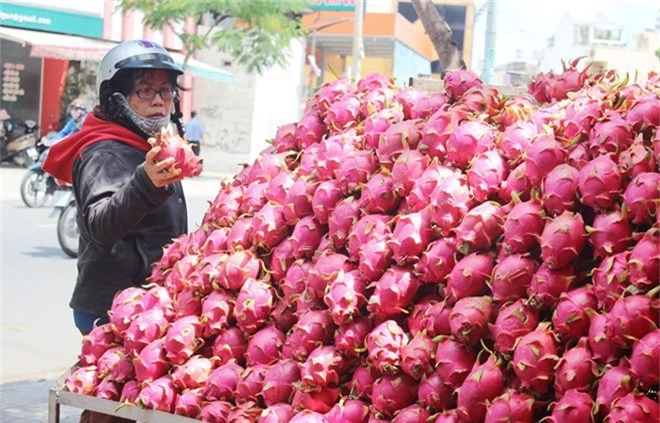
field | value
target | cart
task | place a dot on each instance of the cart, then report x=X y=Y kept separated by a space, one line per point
x=57 y=396
x=430 y=84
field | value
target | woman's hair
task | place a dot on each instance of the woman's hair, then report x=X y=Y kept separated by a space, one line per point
x=124 y=83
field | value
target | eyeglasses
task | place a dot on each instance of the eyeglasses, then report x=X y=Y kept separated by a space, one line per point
x=166 y=93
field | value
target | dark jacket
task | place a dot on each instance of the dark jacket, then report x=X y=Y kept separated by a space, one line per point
x=124 y=222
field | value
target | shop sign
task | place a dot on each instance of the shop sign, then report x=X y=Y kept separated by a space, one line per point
x=42 y=19
x=346 y=5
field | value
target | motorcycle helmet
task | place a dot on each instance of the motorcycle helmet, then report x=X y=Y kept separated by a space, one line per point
x=133 y=54
x=78 y=103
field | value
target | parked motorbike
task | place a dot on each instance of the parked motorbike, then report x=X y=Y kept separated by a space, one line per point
x=68 y=235
x=18 y=141
x=38 y=186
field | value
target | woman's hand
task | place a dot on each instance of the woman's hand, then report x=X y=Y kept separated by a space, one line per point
x=159 y=172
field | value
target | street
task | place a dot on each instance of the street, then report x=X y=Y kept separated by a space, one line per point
x=38 y=339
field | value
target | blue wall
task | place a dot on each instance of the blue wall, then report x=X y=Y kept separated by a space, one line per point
x=408 y=63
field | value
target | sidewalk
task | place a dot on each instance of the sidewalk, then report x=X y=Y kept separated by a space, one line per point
x=27 y=402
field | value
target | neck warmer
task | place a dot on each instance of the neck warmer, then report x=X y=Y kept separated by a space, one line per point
x=149 y=126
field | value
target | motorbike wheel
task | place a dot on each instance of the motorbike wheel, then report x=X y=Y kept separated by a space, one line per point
x=67 y=230
x=34 y=189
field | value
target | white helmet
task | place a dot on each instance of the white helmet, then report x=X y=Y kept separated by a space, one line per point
x=134 y=54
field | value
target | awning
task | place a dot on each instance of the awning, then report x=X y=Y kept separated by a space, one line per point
x=73 y=47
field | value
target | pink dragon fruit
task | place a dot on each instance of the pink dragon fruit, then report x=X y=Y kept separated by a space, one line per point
x=571 y=316
x=264 y=346
x=459 y=81
x=469 y=277
x=230 y=344
x=148 y=326
x=277 y=413
x=369 y=227
x=239 y=235
x=374 y=81
x=412 y=233
x=393 y=392
x=511 y=406
x=436 y=319
x=417 y=356
x=516 y=185
x=278 y=383
x=483 y=384
x=562 y=239
x=315 y=401
x=616 y=382
x=603 y=349
x=560 y=190
x=610 y=233
x=362 y=382
x=253 y=305
x=404 y=135
x=414 y=413
x=344 y=296
x=350 y=337
x=407 y=168
x=436 y=132
x=378 y=195
x=82 y=381
x=645 y=359
x=548 y=284
x=513 y=321
x=309 y=130
x=348 y=411
x=355 y=169
x=326 y=197
x=516 y=139
x=187 y=302
x=543 y=155
x=535 y=357
x=644 y=260
x=249 y=386
x=326 y=268
x=578 y=156
x=377 y=123
x=116 y=364
x=279 y=186
x=268 y=226
x=417 y=104
x=394 y=293
x=432 y=177
x=645 y=113
x=515 y=109
x=641 y=197
x=189 y=403
x=467 y=140
x=384 y=345
x=375 y=259
x=151 y=363
x=221 y=382
x=449 y=202
x=343 y=113
x=574 y=406
x=322 y=368
x=631 y=318
x=512 y=277
x=224 y=209
x=599 y=183
x=376 y=100
x=285 y=138
x=314 y=328
x=125 y=307
x=254 y=198
x=575 y=370
x=433 y=393
x=193 y=373
x=437 y=261
x=306 y=237
x=308 y=416
x=186 y=163
x=295 y=280
x=281 y=260
x=298 y=202
x=183 y=339
x=159 y=395
x=480 y=227
x=215 y=411
x=108 y=389
x=470 y=317
x=453 y=361
x=217 y=311
x=634 y=408
x=486 y=174
x=158 y=297
x=97 y=342
x=611 y=134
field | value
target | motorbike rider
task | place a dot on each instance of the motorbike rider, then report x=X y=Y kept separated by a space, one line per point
x=77 y=111
x=129 y=205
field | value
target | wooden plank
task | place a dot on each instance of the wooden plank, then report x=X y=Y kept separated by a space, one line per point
x=428 y=84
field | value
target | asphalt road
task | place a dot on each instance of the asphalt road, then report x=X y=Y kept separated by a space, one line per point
x=37 y=335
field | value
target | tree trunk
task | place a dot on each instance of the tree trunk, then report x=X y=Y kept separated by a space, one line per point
x=441 y=35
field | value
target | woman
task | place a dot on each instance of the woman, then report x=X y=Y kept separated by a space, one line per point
x=128 y=204
x=77 y=111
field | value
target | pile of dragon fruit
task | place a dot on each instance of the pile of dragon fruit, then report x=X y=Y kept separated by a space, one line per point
x=406 y=256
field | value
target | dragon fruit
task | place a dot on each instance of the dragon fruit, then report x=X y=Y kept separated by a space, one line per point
x=193 y=373
x=384 y=345
x=610 y=233
x=542 y=156
x=253 y=305
x=322 y=368
x=375 y=258
x=393 y=392
x=437 y=261
x=512 y=406
x=116 y=365
x=378 y=196
x=535 y=357
x=394 y=293
x=249 y=386
x=511 y=277
x=309 y=130
x=616 y=382
x=411 y=414
x=574 y=406
x=350 y=337
x=469 y=277
x=634 y=408
x=344 y=296
x=470 y=317
x=641 y=197
x=148 y=326
x=486 y=173
x=314 y=327
x=377 y=123
x=151 y=363
x=183 y=339
x=435 y=133
x=467 y=140
x=82 y=381
x=268 y=226
x=433 y=393
x=306 y=237
x=417 y=356
x=348 y=411
x=571 y=316
x=278 y=382
x=599 y=182
x=560 y=190
x=407 y=168
x=603 y=349
x=189 y=403
x=562 y=239
x=320 y=401
x=308 y=416
x=325 y=198
x=516 y=139
x=97 y=342
x=108 y=389
x=645 y=359
x=575 y=369
x=324 y=271
x=548 y=284
x=516 y=185
x=412 y=233
x=404 y=135
x=644 y=260
x=230 y=344
x=159 y=395
x=277 y=413
x=185 y=162
x=449 y=201
x=513 y=321
x=631 y=318
x=221 y=382
x=264 y=346
x=125 y=307
x=480 y=227
x=483 y=384
x=635 y=160
x=459 y=81
x=342 y=219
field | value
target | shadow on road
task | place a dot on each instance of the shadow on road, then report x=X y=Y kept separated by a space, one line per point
x=47 y=252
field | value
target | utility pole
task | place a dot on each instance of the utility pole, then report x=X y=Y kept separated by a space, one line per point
x=358 y=43
x=489 y=47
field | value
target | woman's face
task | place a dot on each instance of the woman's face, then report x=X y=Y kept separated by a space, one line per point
x=156 y=107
